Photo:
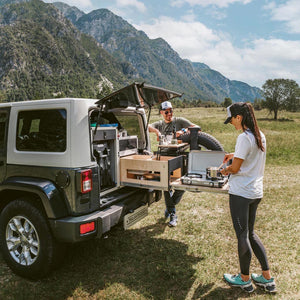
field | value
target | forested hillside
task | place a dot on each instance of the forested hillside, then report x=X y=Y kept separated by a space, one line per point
x=43 y=55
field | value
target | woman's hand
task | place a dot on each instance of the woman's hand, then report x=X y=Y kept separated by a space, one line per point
x=234 y=167
x=224 y=171
x=228 y=157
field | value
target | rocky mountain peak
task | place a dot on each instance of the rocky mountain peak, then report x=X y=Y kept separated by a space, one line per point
x=66 y=43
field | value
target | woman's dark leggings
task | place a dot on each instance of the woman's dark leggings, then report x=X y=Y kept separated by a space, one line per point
x=243 y=212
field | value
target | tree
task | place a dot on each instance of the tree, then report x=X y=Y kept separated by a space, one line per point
x=278 y=94
x=3 y=96
x=293 y=103
x=258 y=104
x=227 y=101
x=105 y=91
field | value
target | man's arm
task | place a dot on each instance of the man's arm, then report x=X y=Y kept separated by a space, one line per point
x=185 y=125
x=155 y=130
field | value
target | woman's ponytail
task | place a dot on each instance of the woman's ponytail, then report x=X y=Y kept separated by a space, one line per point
x=249 y=121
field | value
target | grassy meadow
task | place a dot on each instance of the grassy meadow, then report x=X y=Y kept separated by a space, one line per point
x=153 y=261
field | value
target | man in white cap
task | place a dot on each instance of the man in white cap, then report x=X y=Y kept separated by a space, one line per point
x=170 y=126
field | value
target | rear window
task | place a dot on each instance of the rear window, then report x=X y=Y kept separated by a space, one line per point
x=42 y=130
x=130 y=124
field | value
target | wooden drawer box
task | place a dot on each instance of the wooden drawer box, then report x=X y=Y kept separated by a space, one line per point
x=149 y=172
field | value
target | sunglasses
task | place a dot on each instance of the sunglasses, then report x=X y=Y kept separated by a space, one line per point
x=168 y=112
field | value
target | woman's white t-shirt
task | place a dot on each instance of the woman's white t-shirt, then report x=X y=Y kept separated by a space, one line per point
x=248 y=181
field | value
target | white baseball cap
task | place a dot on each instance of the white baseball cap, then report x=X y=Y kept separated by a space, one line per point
x=165 y=105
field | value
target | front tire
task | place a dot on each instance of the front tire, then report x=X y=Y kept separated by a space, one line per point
x=26 y=241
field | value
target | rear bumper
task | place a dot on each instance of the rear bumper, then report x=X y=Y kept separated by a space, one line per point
x=68 y=229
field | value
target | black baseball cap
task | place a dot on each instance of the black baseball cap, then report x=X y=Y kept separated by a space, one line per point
x=233 y=110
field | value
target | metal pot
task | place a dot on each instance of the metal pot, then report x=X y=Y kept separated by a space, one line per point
x=213 y=173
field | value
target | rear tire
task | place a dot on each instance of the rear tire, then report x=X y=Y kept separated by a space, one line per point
x=26 y=241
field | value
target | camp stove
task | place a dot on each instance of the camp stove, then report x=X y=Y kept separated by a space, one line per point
x=203 y=169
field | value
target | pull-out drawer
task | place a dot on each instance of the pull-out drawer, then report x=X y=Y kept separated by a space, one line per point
x=150 y=172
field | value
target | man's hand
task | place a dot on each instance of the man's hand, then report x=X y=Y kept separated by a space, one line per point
x=179 y=133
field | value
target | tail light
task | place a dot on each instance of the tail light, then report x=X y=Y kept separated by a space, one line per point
x=87 y=227
x=86 y=181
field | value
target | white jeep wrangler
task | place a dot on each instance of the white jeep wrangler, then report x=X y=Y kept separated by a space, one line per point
x=60 y=172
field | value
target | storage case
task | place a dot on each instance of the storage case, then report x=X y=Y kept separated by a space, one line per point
x=147 y=171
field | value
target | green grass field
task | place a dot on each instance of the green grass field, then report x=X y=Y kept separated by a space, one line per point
x=153 y=261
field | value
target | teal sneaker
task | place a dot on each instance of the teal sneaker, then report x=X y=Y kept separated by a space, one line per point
x=267 y=284
x=237 y=281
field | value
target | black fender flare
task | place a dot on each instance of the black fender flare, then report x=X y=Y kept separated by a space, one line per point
x=52 y=198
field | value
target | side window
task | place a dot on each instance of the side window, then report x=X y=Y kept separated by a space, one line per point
x=42 y=130
x=3 y=121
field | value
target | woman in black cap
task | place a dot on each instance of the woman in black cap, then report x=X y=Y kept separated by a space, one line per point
x=245 y=193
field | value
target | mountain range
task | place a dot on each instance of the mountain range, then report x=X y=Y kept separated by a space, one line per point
x=57 y=49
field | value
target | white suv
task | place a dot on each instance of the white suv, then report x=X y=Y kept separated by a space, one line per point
x=59 y=173
x=60 y=170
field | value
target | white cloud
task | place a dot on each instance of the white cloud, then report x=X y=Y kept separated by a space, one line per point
x=189 y=16
x=288 y=12
x=219 y=3
x=180 y=34
x=262 y=59
x=140 y=6
x=268 y=59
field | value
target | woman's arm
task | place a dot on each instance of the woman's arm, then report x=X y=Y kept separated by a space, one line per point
x=234 y=167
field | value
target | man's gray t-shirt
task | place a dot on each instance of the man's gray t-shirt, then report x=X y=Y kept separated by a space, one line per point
x=168 y=128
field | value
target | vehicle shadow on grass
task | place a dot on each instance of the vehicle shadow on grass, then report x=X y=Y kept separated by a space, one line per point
x=138 y=261
x=123 y=265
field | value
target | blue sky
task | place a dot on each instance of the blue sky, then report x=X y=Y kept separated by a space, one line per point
x=246 y=40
